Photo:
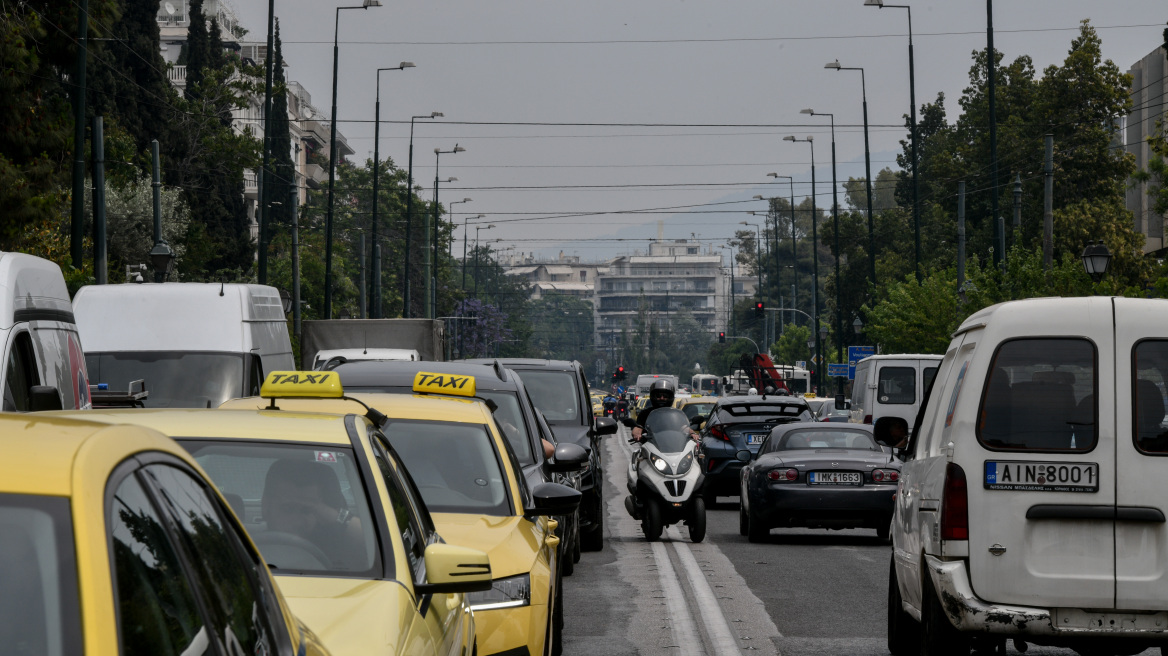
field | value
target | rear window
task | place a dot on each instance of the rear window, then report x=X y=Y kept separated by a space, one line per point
x=897 y=386
x=1040 y=396
x=761 y=411
x=1150 y=367
x=822 y=439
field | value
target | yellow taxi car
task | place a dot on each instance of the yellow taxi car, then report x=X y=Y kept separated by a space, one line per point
x=597 y=405
x=112 y=541
x=469 y=478
x=337 y=519
x=693 y=406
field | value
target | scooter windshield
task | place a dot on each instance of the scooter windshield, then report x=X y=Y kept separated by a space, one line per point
x=668 y=429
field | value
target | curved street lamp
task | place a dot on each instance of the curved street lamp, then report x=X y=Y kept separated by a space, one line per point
x=1096 y=259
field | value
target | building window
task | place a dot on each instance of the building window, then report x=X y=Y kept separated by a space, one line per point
x=583 y=276
x=691 y=250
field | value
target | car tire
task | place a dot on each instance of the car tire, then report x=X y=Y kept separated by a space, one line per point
x=576 y=539
x=697 y=521
x=743 y=521
x=756 y=531
x=938 y=635
x=593 y=538
x=903 y=631
x=567 y=565
x=651 y=523
x=883 y=532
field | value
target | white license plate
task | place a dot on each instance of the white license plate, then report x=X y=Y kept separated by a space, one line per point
x=834 y=478
x=754 y=438
x=1041 y=476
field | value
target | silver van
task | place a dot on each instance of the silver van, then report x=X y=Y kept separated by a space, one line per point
x=891 y=386
x=195 y=345
x=44 y=368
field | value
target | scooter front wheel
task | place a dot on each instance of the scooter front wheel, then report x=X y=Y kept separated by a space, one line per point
x=651 y=522
x=697 y=520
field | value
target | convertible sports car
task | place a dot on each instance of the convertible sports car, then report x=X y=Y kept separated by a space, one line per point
x=819 y=476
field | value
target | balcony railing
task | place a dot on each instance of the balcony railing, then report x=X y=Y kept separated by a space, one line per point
x=177 y=75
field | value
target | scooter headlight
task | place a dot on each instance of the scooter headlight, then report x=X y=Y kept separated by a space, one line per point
x=684 y=465
x=659 y=464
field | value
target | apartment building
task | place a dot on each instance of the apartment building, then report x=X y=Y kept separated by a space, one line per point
x=1149 y=82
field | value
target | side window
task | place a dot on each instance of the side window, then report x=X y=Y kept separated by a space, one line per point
x=927 y=376
x=255 y=374
x=236 y=605
x=859 y=387
x=896 y=386
x=157 y=611
x=1150 y=366
x=413 y=535
x=21 y=375
x=1040 y=395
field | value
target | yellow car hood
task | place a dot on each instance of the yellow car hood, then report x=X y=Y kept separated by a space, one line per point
x=512 y=543
x=351 y=616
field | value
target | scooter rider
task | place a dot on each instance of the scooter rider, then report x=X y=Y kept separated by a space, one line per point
x=661 y=394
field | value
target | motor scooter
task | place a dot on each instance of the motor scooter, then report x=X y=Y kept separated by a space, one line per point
x=665 y=475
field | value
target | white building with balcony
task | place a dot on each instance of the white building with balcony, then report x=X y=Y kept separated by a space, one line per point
x=1149 y=82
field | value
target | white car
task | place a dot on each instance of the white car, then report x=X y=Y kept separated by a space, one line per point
x=1032 y=505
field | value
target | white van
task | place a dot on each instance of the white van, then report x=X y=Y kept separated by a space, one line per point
x=1032 y=503
x=44 y=368
x=891 y=386
x=195 y=344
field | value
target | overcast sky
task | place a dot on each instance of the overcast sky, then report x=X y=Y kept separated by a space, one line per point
x=748 y=64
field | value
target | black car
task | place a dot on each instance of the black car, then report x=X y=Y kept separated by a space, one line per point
x=560 y=390
x=818 y=476
x=737 y=423
x=515 y=414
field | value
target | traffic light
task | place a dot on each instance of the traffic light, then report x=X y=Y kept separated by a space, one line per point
x=759 y=309
x=620 y=373
x=721 y=338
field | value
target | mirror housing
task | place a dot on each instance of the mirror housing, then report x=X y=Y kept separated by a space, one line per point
x=451 y=569
x=569 y=457
x=42 y=398
x=742 y=456
x=883 y=432
x=697 y=421
x=605 y=426
x=841 y=403
x=551 y=499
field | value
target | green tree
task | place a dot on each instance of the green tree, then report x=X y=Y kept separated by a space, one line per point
x=791 y=346
x=562 y=328
x=282 y=171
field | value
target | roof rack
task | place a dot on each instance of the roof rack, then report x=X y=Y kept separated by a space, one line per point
x=134 y=397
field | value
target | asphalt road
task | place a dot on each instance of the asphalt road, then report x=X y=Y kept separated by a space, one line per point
x=803 y=593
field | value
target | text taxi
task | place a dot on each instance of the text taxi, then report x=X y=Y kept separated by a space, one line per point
x=338 y=520
x=472 y=484
x=1031 y=506
x=113 y=542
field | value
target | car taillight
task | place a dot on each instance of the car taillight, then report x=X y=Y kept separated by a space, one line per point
x=885 y=475
x=783 y=474
x=720 y=433
x=867 y=419
x=955 y=505
x=825 y=419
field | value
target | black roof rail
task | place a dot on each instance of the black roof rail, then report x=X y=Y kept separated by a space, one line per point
x=500 y=370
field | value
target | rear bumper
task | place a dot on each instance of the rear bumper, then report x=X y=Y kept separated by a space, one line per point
x=828 y=506
x=970 y=614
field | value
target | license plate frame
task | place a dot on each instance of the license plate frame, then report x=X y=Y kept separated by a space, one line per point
x=755 y=438
x=853 y=478
x=1041 y=476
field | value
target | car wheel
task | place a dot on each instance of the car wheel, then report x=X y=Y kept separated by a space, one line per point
x=593 y=538
x=743 y=520
x=567 y=565
x=883 y=532
x=903 y=630
x=697 y=520
x=576 y=538
x=756 y=531
x=938 y=635
x=652 y=524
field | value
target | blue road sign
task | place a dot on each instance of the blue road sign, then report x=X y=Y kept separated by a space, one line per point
x=855 y=354
x=837 y=370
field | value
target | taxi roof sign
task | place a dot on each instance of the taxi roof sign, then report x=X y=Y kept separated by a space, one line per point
x=428 y=382
x=302 y=385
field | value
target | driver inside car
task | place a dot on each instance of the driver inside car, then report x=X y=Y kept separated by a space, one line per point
x=304 y=499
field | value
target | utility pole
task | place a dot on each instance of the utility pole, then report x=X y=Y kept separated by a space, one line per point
x=1017 y=203
x=1048 y=205
x=77 y=221
x=961 y=239
x=991 y=70
x=100 y=261
x=362 y=299
x=295 y=193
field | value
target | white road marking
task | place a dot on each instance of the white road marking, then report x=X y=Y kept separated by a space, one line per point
x=680 y=621
x=709 y=609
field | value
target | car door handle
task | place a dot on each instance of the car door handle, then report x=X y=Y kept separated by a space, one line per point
x=1073 y=511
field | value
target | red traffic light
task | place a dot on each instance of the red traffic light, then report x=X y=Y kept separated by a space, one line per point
x=758 y=305
x=620 y=369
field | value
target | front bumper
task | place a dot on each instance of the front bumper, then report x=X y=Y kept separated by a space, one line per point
x=512 y=630
x=970 y=614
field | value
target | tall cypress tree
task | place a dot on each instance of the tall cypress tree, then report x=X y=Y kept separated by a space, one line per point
x=197 y=49
x=280 y=141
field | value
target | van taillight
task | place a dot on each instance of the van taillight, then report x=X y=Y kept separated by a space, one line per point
x=955 y=505
x=867 y=419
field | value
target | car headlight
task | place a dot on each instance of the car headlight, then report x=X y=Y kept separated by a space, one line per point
x=658 y=463
x=684 y=465
x=511 y=592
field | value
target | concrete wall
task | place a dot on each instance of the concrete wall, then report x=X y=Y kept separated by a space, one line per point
x=422 y=334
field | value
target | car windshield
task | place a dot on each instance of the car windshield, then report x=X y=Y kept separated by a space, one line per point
x=304 y=505
x=39 y=611
x=455 y=466
x=510 y=418
x=821 y=439
x=173 y=380
x=668 y=429
x=554 y=394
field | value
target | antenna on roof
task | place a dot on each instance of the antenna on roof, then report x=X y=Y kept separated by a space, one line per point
x=221 y=282
x=366 y=351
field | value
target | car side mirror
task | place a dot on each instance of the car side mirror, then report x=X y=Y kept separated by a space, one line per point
x=42 y=398
x=697 y=421
x=569 y=457
x=890 y=431
x=840 y=402
x=451 y=569
x=549 y=499
x=742 y=456
x=605 y=426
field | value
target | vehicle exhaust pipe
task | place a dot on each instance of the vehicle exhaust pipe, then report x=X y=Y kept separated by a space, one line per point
x=631 y=507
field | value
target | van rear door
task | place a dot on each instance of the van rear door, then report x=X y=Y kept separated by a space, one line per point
x=1041 y=471
x=1141 y=453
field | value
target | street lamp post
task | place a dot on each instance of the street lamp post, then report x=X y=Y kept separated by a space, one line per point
x=794 y=239
x=465 y=228
x=867 y=167
x=432 y=249
x=450 y=213
x=328 y=222
x=814 y=247
x=375 y=258
x=407 y=311
x=912 y=100
x=1096 y=259
x=477 y=253
x=839 y=348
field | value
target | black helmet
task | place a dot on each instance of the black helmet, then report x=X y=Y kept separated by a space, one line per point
x=661 y=393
